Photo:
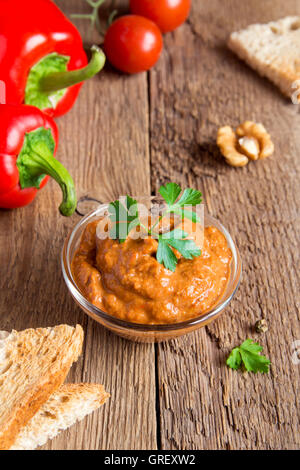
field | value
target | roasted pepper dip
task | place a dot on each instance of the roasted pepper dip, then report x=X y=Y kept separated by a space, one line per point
x=126 y=281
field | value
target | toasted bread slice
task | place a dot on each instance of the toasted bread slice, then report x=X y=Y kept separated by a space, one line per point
x=33 y=364
x=69 y=404
x=272 y=50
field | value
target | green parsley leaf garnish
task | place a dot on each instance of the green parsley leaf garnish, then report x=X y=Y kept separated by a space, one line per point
x=190 y=197
x=124 y=217
x=178 y=240
x=248 y=355
x=170 y=192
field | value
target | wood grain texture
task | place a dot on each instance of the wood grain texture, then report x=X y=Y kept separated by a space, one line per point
x=129 y=135
x=197 y=87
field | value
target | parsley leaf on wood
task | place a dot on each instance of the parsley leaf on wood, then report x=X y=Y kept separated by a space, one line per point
x=248 y=355
x=124 y=215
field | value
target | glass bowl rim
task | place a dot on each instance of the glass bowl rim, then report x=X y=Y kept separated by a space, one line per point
x=236 y=265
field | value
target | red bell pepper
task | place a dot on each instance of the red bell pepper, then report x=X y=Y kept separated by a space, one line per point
x=28 y=142
x=42 y=60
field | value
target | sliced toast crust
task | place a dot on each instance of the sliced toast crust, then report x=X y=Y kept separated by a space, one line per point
x=272 y=50
x=33 y=364
x=69 y=404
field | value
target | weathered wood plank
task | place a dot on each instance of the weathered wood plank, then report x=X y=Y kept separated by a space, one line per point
x=104 y=144
x=197 y=87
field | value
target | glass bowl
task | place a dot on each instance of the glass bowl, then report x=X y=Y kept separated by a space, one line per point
x=136 y=331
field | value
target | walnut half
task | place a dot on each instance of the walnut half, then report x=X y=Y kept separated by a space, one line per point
x=251 y=141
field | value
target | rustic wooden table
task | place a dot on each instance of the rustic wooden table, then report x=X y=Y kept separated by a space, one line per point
x=129 y=135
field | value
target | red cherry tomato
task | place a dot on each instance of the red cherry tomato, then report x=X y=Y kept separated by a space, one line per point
x=133 y=44
x=167 y=14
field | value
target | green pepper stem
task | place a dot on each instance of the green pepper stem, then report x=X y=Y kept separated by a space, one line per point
x=60 y=80
x=40 y=161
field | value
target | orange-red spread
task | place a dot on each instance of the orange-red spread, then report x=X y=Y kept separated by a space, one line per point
x=126 y=281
